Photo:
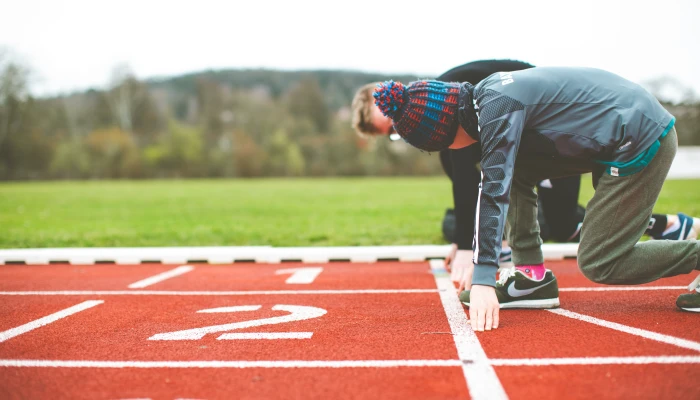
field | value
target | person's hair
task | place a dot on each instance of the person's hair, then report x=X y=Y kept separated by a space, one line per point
x=362 y=105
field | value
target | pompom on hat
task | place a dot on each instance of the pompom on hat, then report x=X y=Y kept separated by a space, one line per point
x=424 y=112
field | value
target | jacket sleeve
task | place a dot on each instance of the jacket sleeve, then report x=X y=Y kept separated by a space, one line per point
x=501 y=122
x=465 y=193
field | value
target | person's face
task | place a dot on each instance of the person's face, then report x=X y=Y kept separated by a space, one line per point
x=382 y=123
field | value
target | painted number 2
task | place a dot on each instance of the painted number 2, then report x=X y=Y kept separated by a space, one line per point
x=296 y=313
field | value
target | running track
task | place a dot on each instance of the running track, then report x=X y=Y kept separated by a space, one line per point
x=336 y=330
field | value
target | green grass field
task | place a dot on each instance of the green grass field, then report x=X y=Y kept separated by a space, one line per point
x=277 y=212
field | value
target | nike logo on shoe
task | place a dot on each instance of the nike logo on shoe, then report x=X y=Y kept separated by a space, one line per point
x=513 y=292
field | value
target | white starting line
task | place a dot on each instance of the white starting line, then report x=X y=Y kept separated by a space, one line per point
x=210 y=293
x=544 y=362
x=621 y=288
x=232 y=364
x=290 y=292
x=498 y=362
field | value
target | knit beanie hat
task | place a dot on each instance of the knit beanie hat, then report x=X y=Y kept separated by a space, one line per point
x=424 y=112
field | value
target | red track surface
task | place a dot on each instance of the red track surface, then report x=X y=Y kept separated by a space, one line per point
x=406 y=323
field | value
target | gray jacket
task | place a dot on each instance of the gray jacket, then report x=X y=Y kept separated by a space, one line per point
x=574 y=114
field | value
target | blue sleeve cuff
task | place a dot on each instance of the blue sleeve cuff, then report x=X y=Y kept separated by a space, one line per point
x=484 y=275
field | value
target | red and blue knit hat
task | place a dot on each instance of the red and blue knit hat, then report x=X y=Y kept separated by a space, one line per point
x=424 y=112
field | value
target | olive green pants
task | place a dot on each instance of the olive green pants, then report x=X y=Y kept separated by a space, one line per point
x=616 y=218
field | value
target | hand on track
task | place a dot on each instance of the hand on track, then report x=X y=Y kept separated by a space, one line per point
x=450 y=257
x=483 y=308
x=463 y=267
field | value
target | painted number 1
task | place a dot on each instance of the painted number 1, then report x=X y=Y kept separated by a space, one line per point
x=300 y=276
x=296 y=313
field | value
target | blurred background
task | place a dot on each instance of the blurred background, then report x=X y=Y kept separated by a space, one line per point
x=156 y=89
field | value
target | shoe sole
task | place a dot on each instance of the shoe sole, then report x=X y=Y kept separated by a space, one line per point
x=535 y=304
x=690 y=309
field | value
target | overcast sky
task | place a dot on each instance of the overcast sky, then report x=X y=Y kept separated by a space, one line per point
x=74 y=44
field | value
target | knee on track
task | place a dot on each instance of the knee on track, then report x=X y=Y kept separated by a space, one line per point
x=594 y=267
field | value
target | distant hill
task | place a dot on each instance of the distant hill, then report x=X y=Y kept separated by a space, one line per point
x=338 y=86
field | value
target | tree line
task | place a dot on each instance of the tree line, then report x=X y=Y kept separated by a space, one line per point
x=231 y=123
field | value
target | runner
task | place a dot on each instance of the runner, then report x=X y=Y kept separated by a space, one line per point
x=559 y=122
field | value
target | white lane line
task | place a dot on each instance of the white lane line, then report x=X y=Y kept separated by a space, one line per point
x=183 y=269
x=481 y=378
x=265 y=335
x=499 y=362
x=686 y=344
x=300 y=276
x=620 y=288
x=231 y=364
x=540 y=362
x=276 y=292
x=137 y=398
x=10 y=333
x=209 y=293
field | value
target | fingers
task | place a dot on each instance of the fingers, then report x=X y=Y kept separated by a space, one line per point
x=457 y=271
x=492 y=316
x=464 y=279
x=450 y=257
x=467 y=278
x=473 y=317
x=484 y=310
x=481 y=320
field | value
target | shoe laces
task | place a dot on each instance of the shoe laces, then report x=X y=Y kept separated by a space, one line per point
x=695 y=285
x=505 y=275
